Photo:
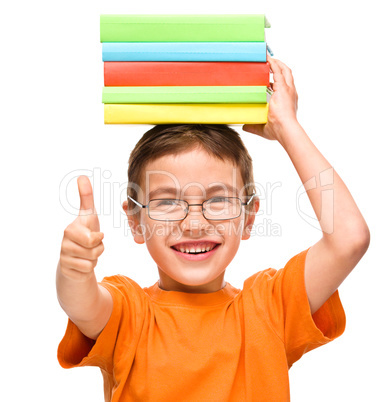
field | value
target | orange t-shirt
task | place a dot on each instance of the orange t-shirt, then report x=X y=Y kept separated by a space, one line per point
x=230 y=345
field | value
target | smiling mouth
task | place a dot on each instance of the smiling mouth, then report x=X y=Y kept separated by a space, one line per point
x=192 y=248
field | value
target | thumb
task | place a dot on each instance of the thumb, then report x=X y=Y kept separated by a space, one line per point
x=254 y=128
x=87 y=208
x=86 y=196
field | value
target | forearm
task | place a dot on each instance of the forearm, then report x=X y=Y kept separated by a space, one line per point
x=79 y=295
x=340 y=220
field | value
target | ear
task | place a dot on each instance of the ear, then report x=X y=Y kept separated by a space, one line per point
x=250 y=219
x=134 y=224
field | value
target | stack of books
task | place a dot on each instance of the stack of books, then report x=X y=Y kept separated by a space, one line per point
x=161 y=69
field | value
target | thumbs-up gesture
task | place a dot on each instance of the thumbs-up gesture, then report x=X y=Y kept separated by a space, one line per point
x=82 y=241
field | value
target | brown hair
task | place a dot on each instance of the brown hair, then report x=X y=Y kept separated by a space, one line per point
x=218 y=140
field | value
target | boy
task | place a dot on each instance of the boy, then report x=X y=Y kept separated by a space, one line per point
x=192 y=336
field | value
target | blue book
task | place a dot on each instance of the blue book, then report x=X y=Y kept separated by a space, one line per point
x=184 y=51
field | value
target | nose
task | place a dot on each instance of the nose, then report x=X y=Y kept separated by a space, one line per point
x=194 y=206
x=195 y=218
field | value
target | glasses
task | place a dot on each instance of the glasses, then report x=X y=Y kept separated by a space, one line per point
x=213 y=209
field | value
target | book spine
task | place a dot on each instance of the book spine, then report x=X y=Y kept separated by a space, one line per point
x=185 y=94
x=185 y=73
x=183 y=113
x=183 y=28
x=192 y=51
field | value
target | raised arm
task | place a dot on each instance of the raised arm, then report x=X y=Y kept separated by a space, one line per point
x=346 y=235
x=86 y=303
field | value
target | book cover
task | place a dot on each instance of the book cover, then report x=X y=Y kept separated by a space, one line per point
x=185 y=94
x=186 y=113
x=183 y=28
x=185 y=51
x=179 y=73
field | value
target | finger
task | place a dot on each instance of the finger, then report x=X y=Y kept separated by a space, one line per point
x=82 y=235
x=75 y=250
x=77 y=264
x=269 y=58
x=284 y=70
x=278 y=76
x=86 y=196
x=269 y=64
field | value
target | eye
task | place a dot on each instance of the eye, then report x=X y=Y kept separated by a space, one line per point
x=162 y=203
x=219 y=199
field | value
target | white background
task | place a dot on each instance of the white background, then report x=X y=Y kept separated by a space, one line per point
x=52 y=126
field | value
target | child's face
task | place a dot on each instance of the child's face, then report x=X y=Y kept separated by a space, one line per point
x=193 y=176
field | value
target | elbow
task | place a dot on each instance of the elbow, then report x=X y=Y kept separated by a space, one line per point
x=362 y=241
x=351 y=244
x=357 y=242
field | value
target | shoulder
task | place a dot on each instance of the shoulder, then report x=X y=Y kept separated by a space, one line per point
x=277 y=283
x=267 y=276
x=121 y=281
x=123 y=288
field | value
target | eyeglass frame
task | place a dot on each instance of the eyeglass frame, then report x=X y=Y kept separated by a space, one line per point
x=191 y=205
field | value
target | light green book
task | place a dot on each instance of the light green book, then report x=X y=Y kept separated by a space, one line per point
x=185 y=94
x=183 y=28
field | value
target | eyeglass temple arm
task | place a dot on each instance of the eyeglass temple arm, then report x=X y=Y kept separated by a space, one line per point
x=250 y=199
x=137 y=203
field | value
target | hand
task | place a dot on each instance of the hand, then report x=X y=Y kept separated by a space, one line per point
x=82 y=241
x=282 y=110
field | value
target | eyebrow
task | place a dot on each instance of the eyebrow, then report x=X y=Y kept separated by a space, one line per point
x=210 y=190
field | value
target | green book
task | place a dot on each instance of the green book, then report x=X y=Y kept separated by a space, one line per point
x=183 y=28
x=185 y=94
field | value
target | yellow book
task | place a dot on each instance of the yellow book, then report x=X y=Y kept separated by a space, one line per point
x=234 y=113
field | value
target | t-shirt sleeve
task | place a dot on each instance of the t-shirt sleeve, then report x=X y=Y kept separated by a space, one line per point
x=281 y=296
x=77 y=350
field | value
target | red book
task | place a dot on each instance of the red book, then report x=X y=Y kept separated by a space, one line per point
x=183 y=73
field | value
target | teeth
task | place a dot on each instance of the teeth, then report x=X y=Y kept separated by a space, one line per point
x=197 y=249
